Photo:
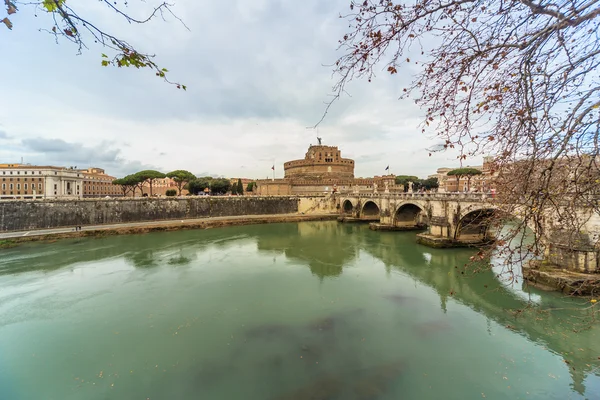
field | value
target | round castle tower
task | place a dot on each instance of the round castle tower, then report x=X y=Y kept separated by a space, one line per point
x=320 y=162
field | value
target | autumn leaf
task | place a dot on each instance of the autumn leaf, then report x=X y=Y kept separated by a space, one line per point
x=7 y=22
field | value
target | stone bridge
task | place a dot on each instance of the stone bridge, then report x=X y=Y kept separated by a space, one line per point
x=466 y=219
x=459 y=217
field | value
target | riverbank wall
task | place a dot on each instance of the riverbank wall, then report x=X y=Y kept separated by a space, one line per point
x=165 y=226
x=32 y=215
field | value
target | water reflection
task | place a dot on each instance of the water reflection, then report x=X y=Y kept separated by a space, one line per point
x=326 y=248
x=330 y=250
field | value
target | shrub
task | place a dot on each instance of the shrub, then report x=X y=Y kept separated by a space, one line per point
x=171 y=192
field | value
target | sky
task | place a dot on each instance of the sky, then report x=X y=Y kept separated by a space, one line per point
x=258 y=75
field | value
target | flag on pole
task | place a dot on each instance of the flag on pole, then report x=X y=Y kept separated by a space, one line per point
x=273 y=167
x=387 y=168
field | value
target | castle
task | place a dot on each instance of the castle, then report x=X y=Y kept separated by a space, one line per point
x=323 y=170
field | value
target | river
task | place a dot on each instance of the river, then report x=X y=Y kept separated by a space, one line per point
x=313 y=310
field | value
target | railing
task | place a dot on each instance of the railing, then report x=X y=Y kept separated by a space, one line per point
x=425 y=195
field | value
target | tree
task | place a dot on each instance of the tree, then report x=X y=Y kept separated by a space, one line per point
x=460 y=172
x=79 y=29
x=181 y=177
x=240 y=187
x=405 y=179
x=516 y=79
x=198 y=185
x=128 y=183
x=124 y=187
x=430 y=183
x=250 y=187
x=149 y=176
x=171 y=193
x=220 y=186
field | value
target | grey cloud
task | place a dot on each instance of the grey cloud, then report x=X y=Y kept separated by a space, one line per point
x=367 y=158
x=62 y=153
x=4 y=135
x=266 y=60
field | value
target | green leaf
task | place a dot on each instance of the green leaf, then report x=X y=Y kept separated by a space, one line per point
x=165 y=70
x=52 y=5
x=184 y=87
x=104 y=55
x=104 y=63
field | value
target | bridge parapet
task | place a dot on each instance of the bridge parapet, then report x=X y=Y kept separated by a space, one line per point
x=472 y=197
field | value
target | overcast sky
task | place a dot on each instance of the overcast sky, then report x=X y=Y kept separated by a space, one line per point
x=257 y=75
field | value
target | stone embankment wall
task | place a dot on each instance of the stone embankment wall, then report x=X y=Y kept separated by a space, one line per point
x=30 y=215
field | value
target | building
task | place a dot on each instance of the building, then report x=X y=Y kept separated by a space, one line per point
x=320 y=162
x=322 y=171
x=96 y=183
x=245 y=182
x=476 y=183
x=25 y=181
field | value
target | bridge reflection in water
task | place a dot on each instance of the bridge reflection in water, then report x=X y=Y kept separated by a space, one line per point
x=551 y=320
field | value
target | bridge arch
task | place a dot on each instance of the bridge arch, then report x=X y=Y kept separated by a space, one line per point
x=347 y=207
x=370 y=211
x=487 y=221
x=408 y=214
x=475 y=224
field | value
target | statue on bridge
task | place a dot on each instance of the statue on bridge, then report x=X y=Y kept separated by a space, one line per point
x=410 y=187
x=319 y=139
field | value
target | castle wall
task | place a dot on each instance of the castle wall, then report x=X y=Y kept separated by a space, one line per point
x=277 y=187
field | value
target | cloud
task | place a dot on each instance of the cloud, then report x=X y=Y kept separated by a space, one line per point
x=62 y=153
x=257 y=77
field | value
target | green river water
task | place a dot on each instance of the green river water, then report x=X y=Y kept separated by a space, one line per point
x=314 y=310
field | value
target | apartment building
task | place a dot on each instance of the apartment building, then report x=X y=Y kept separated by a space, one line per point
x=476 y=183
x=25 y=181
x=96 y=183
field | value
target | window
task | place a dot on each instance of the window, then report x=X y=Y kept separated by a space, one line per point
x=25 y=186
x=40 y=179
x=55 y=187
x=18 y=172
x=40 y=186
x=25 y=179
x=11 y=187
x=18 y=186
